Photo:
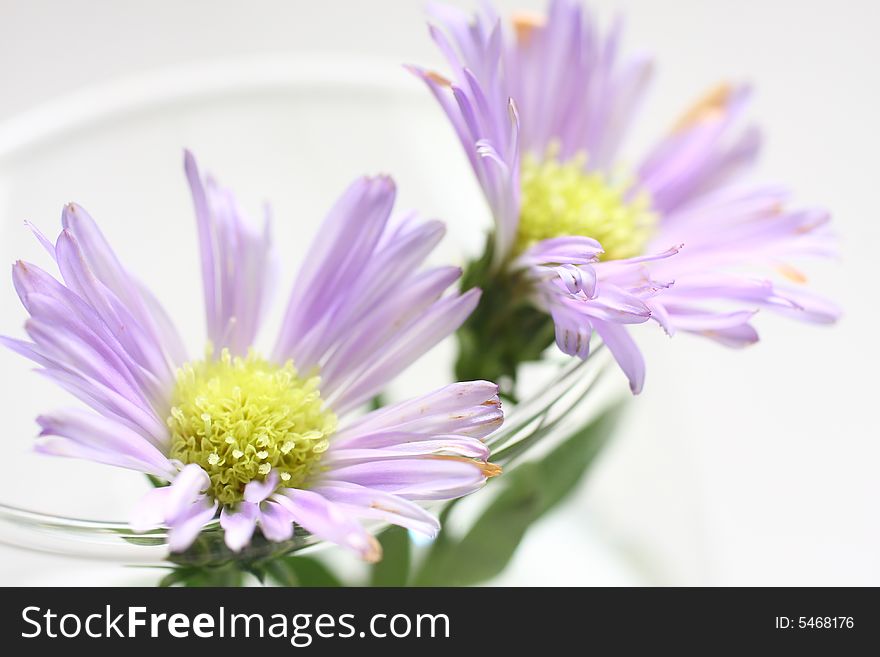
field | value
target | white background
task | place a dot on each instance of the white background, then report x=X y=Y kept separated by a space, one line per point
x=754 y=467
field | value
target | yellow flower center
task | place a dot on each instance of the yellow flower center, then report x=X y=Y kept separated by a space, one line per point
x=242 y=418
x=563 y=198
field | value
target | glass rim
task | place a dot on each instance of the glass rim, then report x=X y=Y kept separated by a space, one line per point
x=157 y=88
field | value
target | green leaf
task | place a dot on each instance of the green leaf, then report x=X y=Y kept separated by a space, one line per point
x=280 y=572
x=393 y=569
x=300 y=571
x=176 y=576
x=257 y=570
x=530 y=491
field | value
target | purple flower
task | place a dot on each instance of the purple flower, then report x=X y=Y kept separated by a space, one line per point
x=541 y=111
x=259 y=440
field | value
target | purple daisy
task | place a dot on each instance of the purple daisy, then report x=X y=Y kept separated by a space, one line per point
x=259 y=440
x=541 y=110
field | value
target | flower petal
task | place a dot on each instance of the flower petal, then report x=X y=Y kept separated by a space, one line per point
x=186 y=526
x=470 y=409
x=328 y=521
x=238 y=526
x=236 y=263
x=189 y=483
x=365 y=342
x=375 y=504
x=103 y=439
x=404 y=445
x=346 y=242
x=276 y=522
x=438 y=322
x=150 y=511
x=91 y=268
x=436 y=478
x=256 y=491
x=625 y=352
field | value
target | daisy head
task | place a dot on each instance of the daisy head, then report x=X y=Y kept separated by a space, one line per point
x=264 y=439
x=541 y=104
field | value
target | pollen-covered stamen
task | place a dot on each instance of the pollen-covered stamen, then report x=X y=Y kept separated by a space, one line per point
x=561 y=198
x=242 y=418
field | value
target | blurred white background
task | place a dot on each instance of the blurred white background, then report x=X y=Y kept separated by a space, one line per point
x=753 y=467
